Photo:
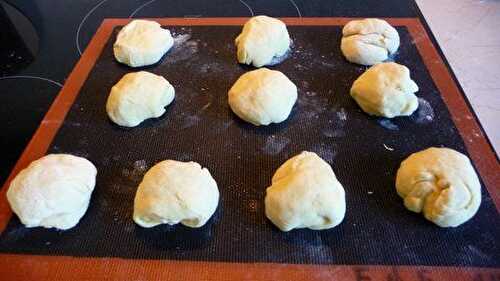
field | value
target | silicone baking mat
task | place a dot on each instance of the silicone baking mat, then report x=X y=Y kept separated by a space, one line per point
x=364 y=152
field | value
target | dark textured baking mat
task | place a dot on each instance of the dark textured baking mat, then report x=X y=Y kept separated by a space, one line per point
x=365 y=153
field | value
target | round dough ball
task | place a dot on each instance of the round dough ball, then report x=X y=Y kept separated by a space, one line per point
x=173 y=192
x=53 y=191
x=387 y=90
x=141 y=43
x=441 y=183
x=262 y=39
x=305 y=194
x=263 y=96
x=137 y=97
x=369 y=41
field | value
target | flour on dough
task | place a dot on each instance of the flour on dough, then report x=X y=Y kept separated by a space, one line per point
x=53 y=191
x=141 y=43
x=262 y=39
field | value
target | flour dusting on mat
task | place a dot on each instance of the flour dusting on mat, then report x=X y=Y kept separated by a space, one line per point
x=190 y=121
x=333 y=133
x=180 y=39
x=342 y=114
x=336 y=122
x=330 y=65
x=424 y=113
x=136 y=172
x=324 y=151
x=182 y=50
x=275 y=144
x=140 y=166
x=211 y=67
x=310 y=106
x=388 y=124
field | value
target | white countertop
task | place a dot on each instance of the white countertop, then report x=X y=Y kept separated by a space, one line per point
x=468 y=32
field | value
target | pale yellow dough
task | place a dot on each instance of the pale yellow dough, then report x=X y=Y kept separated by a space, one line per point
x=53 y=191
x=441 y=183
x=386 y=90
x=174 y=192
x=141 y=43
x=138 y=96
x=305 y=193
x=369 y=41
x=262 y=39
x=262 y=97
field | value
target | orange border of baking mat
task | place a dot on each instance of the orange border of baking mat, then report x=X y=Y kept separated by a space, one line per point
x=38 y=267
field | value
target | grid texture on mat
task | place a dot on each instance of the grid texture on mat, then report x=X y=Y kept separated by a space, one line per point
x=365 y=153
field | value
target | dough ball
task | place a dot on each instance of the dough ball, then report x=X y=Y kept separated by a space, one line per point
x=369 y=41
x=263 y=96
x=137 y=97
x=141 y=43
x=53 y=191
x=262 y=39
x=305 y=194
x=387 y=90
x=173 y=192
x=441 y=183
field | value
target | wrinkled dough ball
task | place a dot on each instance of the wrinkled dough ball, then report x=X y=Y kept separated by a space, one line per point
x=173 y=192
x=141 y=43
x=369 y=41
x=53 y=191
x=138 y=96
x=305 y=194
x=262 y=39
x=262 y=97
x=441 y=183
x=387 y=90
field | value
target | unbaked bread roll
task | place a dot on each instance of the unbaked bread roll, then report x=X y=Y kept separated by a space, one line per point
x=262 y=97
x=369 y=41
x=441 y=183
x=138 y=96
x=141 y=43
x=305 y=194
x=262 y=39
x=387 y=90
x=173 y=192
x=53 y=191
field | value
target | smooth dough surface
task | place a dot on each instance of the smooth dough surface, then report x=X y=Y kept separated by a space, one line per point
x=262 y=97
x=369 y=41
x=141 y=43
x=305 y=194
x=53 y=191
x=387 y=90
x=441 y=183
x=173 y=192
x=138 y=96
x=262 y=39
